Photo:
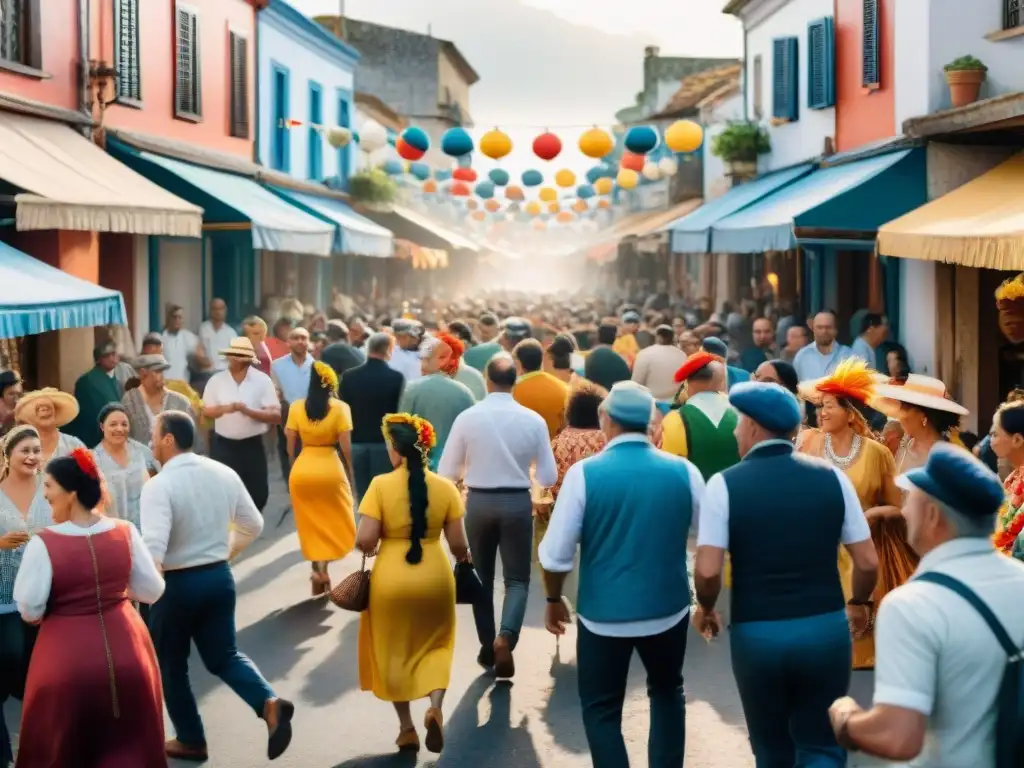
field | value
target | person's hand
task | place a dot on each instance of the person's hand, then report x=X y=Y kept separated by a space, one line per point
x=238 y=408
x=839 y=713
x=13 y=540
x=556 y=616
x=859 y=619
x=708 y=624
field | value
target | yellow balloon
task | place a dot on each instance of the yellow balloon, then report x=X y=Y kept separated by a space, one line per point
x=627 y=179
x=495 y=144
x=565 y=178
x=548 y=195
x=684 y=136
x=604 y=186
x=554 y=207
x=533 y=208
x=596 y=143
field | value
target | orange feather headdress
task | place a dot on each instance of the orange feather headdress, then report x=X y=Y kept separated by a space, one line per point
x=450 y=360
x=851 y=380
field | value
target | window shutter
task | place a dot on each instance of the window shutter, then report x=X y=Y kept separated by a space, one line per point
x=785 y=79
x=126 y=51
x=869 y=44
x=758 y=87
x=821 y=72
x=239 y=86
x=1012 y=13
x=188 y=96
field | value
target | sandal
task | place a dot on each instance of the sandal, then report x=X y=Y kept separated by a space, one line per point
x=408 y=740
x=434 y=722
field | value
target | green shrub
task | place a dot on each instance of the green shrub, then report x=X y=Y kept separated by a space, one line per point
x=741 y=141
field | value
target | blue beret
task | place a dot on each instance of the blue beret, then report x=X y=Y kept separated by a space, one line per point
x=954 y=477
x=716 y=347
x=771 y=406
x=629 y=404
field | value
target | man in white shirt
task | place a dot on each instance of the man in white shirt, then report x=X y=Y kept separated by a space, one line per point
x=491 y=448
x=182 y=348
x=405 y=357
x=243 y=403
x=216 y=334
x=196 y=516
x=656 y=366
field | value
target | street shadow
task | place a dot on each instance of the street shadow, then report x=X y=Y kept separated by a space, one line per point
x=714 y=684
x=562 y=712
x=267 y=573
x=498 y=742
x=395 y=760
x=339 y=672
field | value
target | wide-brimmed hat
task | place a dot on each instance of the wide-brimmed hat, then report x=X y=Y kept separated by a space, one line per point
x=922 y=391
x=241 y=348
x=65 y=406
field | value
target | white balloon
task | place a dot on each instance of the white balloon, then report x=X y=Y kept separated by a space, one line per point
x=380 y=156
x=651 y=172
x=339 y=136
x=373 y=136
x=668 y=166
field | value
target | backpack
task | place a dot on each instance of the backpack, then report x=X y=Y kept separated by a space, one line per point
x=1010 y=699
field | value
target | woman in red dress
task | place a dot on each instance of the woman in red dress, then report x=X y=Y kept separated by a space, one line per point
x=93 y=697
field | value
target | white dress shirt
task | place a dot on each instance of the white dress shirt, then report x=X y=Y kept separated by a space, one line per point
x=256 y=391
x=195 y=512
x=557 y=551
x=407 y=362
x=494 y=443
x=655 y=368
x=178 y=349
x=214 y=340
x=35 y=576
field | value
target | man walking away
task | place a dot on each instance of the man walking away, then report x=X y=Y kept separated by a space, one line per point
x=339 y=353
x=491 y=448
x=196 y=516
x=656 y=366
x=629 y=510
x=372 y=390
x=538 y=390
x=782 y=517
x=603 y=365
x=479 y=355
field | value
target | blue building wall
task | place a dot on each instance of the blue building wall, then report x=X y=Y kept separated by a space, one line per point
x=300 y=63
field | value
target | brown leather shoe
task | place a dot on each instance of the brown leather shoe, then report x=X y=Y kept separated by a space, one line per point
x=278 y=715
x=434 y=722
x=504 y=664
x=175 y=750
x=408 y=741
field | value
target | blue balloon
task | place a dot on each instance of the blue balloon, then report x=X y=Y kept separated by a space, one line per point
x=393 y=168
x=485 y=190
x=585 y=192
x=456 y=142
x=417 y=138
x=420 y=170
x=442 y=175
x=641 y=139
x=600 y=172
x=499 y=177
x=532 y=178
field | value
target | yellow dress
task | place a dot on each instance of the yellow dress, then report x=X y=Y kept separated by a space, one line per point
x=321 y=497
x=407 y=636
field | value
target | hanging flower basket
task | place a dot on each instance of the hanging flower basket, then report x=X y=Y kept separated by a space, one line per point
x=373 y=189
x=739 y=146
x=1010 y=303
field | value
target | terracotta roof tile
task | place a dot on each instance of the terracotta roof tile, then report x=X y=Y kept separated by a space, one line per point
x=695 y=88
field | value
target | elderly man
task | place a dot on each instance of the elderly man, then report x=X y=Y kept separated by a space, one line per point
x=151 y=397
x=790 y=628
x=634 y=589
x=254 y=328
x=290 y=375
x=943 y=639
x=94 y=390
x=656 y=366
x=405 y=357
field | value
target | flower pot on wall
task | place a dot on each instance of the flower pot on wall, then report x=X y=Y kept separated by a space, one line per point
x=964 y=85
x=742 y=170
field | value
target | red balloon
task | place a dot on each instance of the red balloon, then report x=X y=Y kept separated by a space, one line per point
x=407 y=151
x=464 y=174
x=633 y=161
x=547 y=146
x=460 y=190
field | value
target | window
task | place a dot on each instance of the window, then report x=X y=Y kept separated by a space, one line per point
x=345 y=121
x=315 y=156
x=869 y=45
x=758 y=78
x=126 y=50
x=20 y=40
x=188 y=92
x=821 y=77
x=239 y=52
x=785 y=80
x=280 y=138
x=1012 y=16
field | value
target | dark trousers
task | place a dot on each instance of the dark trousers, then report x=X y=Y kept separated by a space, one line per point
x=368 y=461
x=248 y=458
x=788 y=674
x=282 y=452
x=198 y=605
x=16 y=641
x=501 y=522
x=603 y=664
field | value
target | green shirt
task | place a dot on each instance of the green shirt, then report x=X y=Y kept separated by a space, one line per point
x=439 y=400
x=479 y=356
x=93 y=390
x=473 y=379
x=711 y=448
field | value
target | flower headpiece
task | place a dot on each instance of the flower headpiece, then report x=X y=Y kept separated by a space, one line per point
x=84 y=459
x=851 y=380
x=426 y=437
x=1011 y=290
x=328 y=376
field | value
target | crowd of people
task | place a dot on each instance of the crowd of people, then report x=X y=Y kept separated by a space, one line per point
x=829 y=487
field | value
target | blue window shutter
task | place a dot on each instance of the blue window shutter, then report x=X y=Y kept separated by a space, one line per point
x=344 y=154
x=785 y=79
x=869 y=44
x=821 y=71
x=314 y=158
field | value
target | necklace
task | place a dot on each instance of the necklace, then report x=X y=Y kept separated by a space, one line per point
x=843 y=462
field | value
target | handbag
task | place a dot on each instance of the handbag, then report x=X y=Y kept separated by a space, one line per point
x=353 y=592
x=469 y=589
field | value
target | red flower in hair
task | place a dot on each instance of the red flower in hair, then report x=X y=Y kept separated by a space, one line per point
x=85 y=461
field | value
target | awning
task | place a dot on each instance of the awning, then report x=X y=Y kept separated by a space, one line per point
x=692 y=234
x=656 y=221
x=421 y=229
x=232 y=202
x=980 y=224
x=354 y=234
x=35 y=298
x=70 y=183
x=858 y=196
x=421 y=258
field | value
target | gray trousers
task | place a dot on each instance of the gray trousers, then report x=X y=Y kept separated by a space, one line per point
x=501 y=523
x=368 y=461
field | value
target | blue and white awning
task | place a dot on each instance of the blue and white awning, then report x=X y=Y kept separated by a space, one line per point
x=355 y=235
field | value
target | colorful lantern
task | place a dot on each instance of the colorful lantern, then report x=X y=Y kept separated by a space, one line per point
x=420 y=170
x=604 y=203
x=493 y=206
x=585 y=192
x=373 y=136
x=339 y=136
x=495 y=144
x=596 y=143
x=456 y=142
x=472 y=205
x=600 y=172
x=547 y=146
x=627 y=179
x=429 y=187
x=548 y=194
x=684 y=136
x=442 y=174
x=565 y=217
x=514 y=193
x=460 y=189
x=532 y=178
x=464 y=174
x=416 y=138
x=651 y=172
x=499 y=177
x=407 y=151
x=393 y=167
x=641 y=139
x=533 y=208
x=604 y=186
x=479 y=216
x=554 y=207
x=668 y=166
x=565 y=178
x=485 y=190
x=580 y=206
x=632 y=161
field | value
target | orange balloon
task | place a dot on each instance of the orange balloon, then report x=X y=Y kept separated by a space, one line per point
x=554 y=207
x=580 y=206
x=565 y=217
x=479 y=215
x=604 y=203
x=632 y=161
x=514 y=193
x=493 y=206
x=539 y=225
x=460 y=189
x=429 y=186
x=472 y=205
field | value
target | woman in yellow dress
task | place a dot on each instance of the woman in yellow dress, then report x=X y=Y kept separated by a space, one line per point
x=407 y=635
x=845 y=440
x=319 y=485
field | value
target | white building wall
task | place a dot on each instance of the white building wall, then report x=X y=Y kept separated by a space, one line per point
x=917 y=314
x=763 y=22
x=139 y=321
x=715 y=119
x=181 y=278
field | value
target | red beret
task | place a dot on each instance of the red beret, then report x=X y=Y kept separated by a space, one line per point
x=694 y=363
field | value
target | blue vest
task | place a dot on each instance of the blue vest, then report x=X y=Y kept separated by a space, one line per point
x=635 y=526
x=786 y=515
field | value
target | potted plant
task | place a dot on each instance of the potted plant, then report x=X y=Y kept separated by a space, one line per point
x=739 y=146
x=965 y=76
x=373 y=189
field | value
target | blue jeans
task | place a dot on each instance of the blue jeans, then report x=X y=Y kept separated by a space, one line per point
x=788 y=674
x=198 y=605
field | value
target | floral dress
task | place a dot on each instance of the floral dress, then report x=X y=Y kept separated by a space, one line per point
x=1008 y=539
x=124 y=484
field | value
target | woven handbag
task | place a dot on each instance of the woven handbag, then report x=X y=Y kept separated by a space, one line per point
x=353 y=592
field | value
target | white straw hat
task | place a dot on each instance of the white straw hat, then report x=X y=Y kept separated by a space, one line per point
x=922 y=391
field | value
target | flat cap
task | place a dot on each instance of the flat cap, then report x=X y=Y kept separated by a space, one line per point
x=716 y=347
x=774 y=408
x=955 y=478
x=629 y=404
x=410 y=327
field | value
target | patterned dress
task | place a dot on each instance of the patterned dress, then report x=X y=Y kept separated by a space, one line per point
x=1014 y=485
x=11 y=520
x=124 y=484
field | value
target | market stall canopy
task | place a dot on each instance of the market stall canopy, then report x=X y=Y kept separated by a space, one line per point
x=980 y=224
x=230 y=201
x=70 y=183
x=659 y=221
x=692 y=233
x=421 y=229
x=421 y=258
x=35 y=298
x=856 y=197
x=354 y=234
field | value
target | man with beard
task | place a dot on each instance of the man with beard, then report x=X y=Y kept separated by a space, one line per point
x=405 y=357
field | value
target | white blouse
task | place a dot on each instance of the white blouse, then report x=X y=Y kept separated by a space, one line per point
x=35 y=576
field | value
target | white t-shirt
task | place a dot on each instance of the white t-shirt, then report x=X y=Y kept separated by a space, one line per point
x=256 y=391
x=178 y=348
x=214 y=341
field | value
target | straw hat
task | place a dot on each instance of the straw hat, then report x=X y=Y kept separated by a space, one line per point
x=241 y=348
x=922 y=391
x=65 y=406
